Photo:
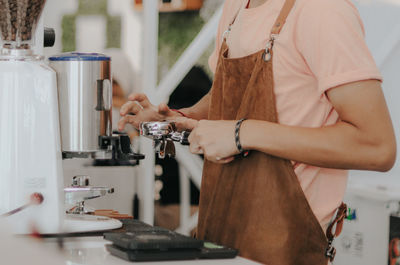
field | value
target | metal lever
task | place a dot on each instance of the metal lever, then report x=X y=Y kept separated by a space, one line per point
x=35 y=199
x=182 y=137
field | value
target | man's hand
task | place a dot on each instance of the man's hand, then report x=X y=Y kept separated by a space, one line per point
x=214 y=139
x=183 y=123
x=139 y=109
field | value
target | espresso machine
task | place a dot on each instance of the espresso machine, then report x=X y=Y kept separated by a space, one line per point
x=48 y=114
x=84 y=87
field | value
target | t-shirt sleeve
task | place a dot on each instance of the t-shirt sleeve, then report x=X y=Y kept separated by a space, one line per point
x=330 y=37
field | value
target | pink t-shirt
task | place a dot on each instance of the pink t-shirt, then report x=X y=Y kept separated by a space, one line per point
x=320 y=47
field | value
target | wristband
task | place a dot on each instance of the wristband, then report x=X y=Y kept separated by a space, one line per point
x=180 y=112
x=243 y=153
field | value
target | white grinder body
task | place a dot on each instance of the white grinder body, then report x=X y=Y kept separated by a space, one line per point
x=30 y=149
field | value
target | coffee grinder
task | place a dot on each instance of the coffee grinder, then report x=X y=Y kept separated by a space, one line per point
x=30 y=156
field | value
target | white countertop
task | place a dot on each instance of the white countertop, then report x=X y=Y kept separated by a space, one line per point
x=17 y=250
x=92 y=251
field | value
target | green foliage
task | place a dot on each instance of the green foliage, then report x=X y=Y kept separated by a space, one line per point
x=176 y=32
x=92 y=7
x=113 y=32
x=68 y=33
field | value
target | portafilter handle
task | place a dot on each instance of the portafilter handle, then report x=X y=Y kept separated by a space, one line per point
x=163 y=133
x=159 y=130
x=182 y=137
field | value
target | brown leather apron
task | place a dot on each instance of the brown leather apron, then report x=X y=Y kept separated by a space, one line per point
x=256 y=204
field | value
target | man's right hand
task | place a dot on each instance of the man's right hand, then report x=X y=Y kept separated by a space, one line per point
x=139 y=109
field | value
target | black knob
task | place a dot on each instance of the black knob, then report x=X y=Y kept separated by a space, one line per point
x=49 y=37
x=125 y=142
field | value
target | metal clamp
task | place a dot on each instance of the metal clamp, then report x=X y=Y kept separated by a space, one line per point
x=226 y=32
x=267 y=55
x=330 y=252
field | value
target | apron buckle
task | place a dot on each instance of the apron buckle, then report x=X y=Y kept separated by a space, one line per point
x=226 y=33
x=267 y=53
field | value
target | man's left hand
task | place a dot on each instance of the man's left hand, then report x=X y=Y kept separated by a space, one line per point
x=214 y=139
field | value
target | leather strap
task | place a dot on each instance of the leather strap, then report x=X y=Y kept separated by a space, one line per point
x=276 y=28
x=338 y=221
x=281 y=20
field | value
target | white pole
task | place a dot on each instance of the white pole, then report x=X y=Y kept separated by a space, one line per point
x=150 y=51
x=188 y=59
x=184 y=208
x=192 y=163
x=150 y=47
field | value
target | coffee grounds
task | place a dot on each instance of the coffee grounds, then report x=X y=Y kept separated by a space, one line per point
x=18 y=18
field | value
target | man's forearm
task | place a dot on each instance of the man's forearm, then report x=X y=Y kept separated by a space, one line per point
x=199 y=111
x=340 y=146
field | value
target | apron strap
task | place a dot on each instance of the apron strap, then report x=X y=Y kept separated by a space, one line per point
x=281 y=20
x=338 y=224
x=277 y=27
x=228 y=30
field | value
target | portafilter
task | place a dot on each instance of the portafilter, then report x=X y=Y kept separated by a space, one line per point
x=164 y=134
